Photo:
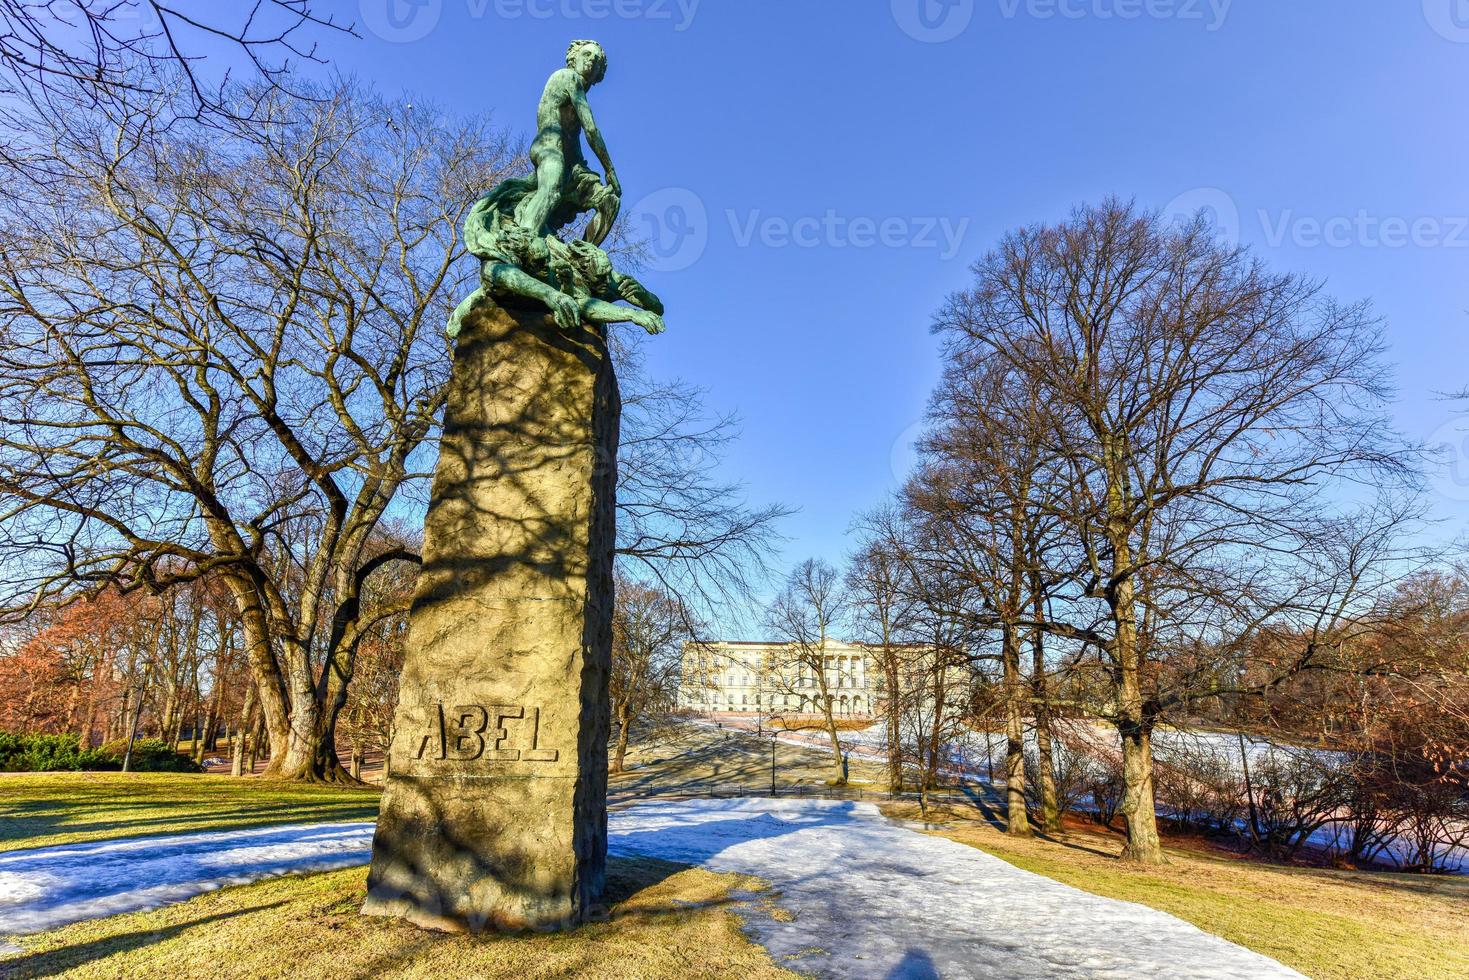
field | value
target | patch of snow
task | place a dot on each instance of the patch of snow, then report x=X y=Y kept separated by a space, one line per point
x=873 y=899
x=865 y=897
x=49 y=887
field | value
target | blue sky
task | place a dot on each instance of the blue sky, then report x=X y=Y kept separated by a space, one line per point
x=820 y=174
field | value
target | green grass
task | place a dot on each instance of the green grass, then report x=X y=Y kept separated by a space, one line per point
x=670 y=921
x=1325 y=923
x=665 y=921
x=43 y=809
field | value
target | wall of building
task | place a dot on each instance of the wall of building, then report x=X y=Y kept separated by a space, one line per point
x=766 y=678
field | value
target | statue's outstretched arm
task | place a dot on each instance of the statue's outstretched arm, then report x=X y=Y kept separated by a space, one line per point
x=594 y=138
x=628 y=288
x=601 y=311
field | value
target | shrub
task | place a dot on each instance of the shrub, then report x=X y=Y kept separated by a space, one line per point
x=152 y=755
x=1200 y=787
x=33 y=752
x=1103 y=781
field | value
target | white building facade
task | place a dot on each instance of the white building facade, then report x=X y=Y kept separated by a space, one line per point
x=754 y=678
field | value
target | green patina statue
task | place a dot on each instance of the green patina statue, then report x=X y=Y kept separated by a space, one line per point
x=515 y=229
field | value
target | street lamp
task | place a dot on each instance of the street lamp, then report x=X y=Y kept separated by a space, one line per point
x=773 y=737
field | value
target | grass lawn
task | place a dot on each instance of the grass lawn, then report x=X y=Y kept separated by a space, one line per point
x=1327 y=924
x=665 y=921
x=42 y=809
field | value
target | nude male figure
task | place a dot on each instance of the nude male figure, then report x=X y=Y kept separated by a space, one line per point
x=564 y=115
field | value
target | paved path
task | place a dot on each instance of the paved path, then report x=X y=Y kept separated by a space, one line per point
x=863 y=897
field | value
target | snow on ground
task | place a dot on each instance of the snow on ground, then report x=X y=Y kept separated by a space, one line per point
x=49 y=887
x=864 y=897
x=868 y=898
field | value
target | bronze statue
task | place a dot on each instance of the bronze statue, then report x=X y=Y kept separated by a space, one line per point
x=515 y=229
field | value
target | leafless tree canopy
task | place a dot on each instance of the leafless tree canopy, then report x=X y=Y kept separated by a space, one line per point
x=123 y=48
x=224 y=353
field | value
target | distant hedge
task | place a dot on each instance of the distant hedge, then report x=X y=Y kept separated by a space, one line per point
x=64 y=753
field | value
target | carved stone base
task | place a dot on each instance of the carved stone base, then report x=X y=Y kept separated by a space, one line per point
x=494 y=816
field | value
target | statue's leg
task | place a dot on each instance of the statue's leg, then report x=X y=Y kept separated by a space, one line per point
x=536 y=209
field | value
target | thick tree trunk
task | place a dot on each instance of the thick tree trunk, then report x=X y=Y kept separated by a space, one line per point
x=1017 y=820
x=1144 y=844
x=1138 y=806
x=310 y=747
x=1046 y=762
x=269 y=685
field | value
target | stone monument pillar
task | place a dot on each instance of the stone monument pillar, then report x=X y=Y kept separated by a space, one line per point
x=494 y=813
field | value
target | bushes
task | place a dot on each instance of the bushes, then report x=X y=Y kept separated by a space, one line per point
x=152 y=755
x=50 y=753
x=1199 y=787
x=25 y=752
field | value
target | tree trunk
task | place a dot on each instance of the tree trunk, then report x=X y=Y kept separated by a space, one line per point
x=1017 y=820
x=619 y=757
x=1045 y=750
x=269 y=686
x=310 y=753
x=242 y=728
x=1144 y=845
x=894 y=719
x=1139 y=808
x=839 y=777
x=1046 y=759
x=196 y=744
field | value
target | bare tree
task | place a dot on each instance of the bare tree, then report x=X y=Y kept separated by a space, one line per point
x=811 y=606
x=883 y=609
x=123 y=48
x=980 y=496
x=1198 y=402
x=649 y=628
x=224 y=355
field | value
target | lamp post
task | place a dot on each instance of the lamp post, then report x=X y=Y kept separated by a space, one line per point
x=773 y=736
